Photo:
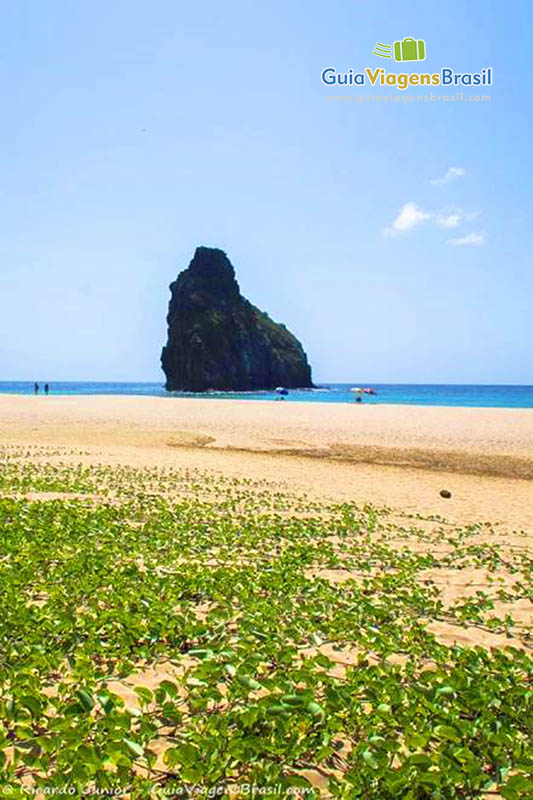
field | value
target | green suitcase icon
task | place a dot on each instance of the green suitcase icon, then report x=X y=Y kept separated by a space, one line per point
x=410 y=50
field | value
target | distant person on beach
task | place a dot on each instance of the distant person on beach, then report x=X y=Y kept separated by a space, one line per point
x=35 y=388
x=46 y=388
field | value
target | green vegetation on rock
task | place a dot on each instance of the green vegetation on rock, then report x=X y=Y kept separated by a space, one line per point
x=218 y=340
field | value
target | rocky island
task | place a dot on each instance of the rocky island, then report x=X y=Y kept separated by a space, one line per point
x=218 y=340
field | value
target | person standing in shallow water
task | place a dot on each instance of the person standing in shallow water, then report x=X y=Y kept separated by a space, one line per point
x=46 y=388
x=35 y=388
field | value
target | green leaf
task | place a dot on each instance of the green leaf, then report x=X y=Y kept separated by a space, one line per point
x=73 y=709
x=86 y=700
x=249 y=683
x=316 y=710
x=293 y=699
x=186 y=755
x=517 y=788
x=134 y=747
x=429 y=778
x=445 y=690
x=447 y=732
x=297 y=781
x=370 y=759
x=106 y=702
x=420 y=760
x=31 y=703
x=169 y=687
x=202 y=654
x=144 y=694
x=278 y=711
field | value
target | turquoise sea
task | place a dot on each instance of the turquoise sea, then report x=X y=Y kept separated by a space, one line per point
x=395 y=393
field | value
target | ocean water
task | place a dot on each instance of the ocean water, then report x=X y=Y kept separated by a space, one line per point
x=393 y=393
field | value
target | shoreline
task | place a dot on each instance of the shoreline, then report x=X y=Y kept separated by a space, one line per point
x=482 y=396
x=239 y=398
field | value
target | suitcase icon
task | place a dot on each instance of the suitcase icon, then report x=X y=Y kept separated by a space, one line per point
x=410 y=50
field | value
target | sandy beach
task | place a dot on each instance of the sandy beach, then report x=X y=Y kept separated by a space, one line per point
x=390 y=463
x=395 y=456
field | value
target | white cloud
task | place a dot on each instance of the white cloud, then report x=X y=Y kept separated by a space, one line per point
x=474 y=239
x=409 y=216
x=454 y=217
x=449 y=220
x=451 y=175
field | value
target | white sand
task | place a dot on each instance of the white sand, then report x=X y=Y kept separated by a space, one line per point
x=400 y=456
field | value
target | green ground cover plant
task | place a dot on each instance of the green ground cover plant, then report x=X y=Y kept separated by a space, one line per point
x=165 y=630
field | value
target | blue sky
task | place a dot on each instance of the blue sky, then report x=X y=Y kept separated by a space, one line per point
x=134 y=131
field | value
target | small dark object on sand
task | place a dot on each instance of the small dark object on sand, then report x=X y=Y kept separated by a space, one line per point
x=445 y=493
